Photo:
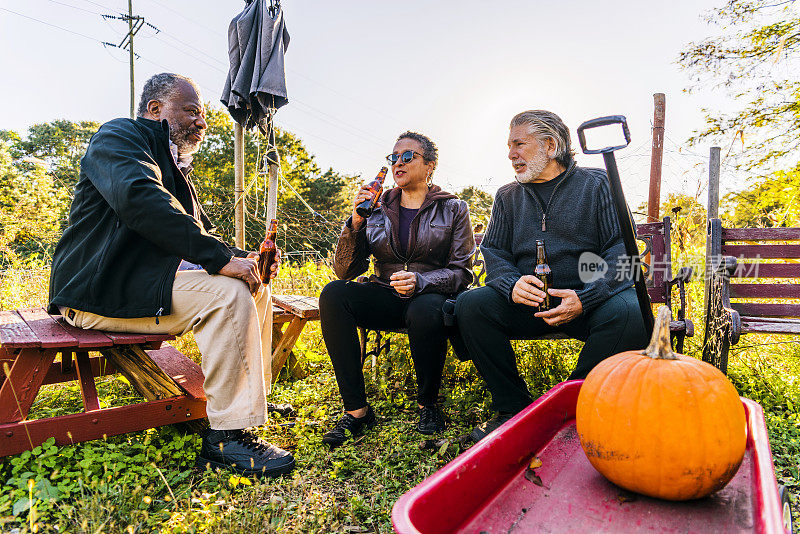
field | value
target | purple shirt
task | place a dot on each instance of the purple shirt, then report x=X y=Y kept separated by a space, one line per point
x=406 y=216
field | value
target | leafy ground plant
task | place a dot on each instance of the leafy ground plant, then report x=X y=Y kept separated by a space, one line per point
x=143 y=482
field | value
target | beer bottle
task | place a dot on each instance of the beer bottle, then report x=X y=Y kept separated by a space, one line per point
x=267 y=251
x=543 y=273
x=366 y=208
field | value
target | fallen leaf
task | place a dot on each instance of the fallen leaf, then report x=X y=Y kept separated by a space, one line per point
x=535 y=463
x=531 y=475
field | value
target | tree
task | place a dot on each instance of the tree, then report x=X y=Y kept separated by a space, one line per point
x=480 y=205
x=774 y=201
x=61 y=144
x=327 y=193
x=31 y=206
x=754 y=59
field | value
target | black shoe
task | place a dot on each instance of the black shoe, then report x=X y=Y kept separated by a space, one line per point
x=284 y=409
x=431 y=420
x=243 y=452
x=355 y=425
x=484 y=429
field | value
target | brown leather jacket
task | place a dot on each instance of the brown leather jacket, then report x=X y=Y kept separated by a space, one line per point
x=440 y=242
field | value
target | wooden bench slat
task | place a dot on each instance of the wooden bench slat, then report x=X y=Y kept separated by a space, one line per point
x=767 y=270
x=754 y=325
x=656 y=295
x=15 y=332
x=49 y=332
x=90 y=339
x=761 y=234
x=184 y=371
x=301 y=306
x=654 y=228
x=752 y=309
x=761 y=251
x=772 y=291
x=125 y=338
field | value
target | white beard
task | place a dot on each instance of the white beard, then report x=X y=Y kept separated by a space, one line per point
x=534 y=167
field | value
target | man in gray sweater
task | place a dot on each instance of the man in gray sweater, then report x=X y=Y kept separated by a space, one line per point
x=571 y=210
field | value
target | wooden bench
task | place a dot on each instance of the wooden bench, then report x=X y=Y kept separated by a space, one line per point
x=735 y=303
x=171 y=383
x=657 y=265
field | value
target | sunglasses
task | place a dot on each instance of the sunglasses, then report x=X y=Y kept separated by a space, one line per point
x=405 y=157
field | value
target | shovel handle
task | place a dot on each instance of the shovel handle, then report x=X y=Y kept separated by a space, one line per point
x=604 y=121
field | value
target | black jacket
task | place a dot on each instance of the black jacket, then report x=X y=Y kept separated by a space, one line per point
x=133 y=218
x=441 y=244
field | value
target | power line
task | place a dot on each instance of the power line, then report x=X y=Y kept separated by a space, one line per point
x=52 y=25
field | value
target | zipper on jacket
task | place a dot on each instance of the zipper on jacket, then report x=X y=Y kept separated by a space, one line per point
x=545 y=209
x=158 y=313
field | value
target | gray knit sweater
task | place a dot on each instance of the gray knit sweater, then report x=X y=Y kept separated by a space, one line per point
x=580 y=218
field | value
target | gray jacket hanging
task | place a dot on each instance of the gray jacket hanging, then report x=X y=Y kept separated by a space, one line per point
x=257 y=79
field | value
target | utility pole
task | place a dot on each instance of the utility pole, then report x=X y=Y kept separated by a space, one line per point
x=135 y=23
x=130 y=49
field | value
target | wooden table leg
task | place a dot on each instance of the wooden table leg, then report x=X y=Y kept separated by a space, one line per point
x=287 y=340
x=142 y=372
x=86 y=381
x=23 y=380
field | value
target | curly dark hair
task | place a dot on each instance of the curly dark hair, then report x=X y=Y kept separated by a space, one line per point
x=429 y=151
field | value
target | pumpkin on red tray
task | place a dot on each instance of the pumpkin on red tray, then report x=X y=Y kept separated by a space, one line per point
x=661 y=424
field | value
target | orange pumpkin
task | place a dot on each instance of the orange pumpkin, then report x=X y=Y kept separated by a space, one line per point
x=661 y=424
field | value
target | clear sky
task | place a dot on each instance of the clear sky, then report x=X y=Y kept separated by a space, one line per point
x=361 y=72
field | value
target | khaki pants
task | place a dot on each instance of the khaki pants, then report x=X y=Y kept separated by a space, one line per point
x=233 y=331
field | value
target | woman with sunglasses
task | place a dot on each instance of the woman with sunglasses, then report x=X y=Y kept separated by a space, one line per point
x=421 y=241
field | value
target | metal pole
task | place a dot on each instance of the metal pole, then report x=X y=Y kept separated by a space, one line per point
x=656 y=157
x=130 y=50
x=628 y=237
x=238 y=187
x=713 y=213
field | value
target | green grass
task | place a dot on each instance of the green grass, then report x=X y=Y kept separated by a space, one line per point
x=141 y=482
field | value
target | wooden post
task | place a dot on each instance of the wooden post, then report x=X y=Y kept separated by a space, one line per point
x=712 y=213
x=656 y=157
x=238 y=187
x=272 y=192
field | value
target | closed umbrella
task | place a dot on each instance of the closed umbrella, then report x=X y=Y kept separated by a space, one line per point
x=254 y=88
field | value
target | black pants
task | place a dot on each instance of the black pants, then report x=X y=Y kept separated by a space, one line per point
x=487 y=322
x=344 y=306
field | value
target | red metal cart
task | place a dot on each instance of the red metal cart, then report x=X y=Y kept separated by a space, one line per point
x=485 y=489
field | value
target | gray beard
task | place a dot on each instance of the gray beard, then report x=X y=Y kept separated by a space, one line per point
x=533 y=168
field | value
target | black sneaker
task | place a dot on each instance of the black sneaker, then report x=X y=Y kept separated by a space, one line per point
x=338 y=434
x=431 y=420
x=484 y=429
x=243 y=452
x=284 y=409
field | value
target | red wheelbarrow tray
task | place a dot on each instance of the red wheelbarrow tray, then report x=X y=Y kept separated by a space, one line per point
x=485 y=490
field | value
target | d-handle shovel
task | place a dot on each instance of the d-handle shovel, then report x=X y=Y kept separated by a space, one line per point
x=623 y=215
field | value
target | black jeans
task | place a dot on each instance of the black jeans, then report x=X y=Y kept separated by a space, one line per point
x=488 y=321
x=344 y=306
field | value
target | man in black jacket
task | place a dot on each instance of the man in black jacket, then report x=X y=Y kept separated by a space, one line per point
x=135 y=219
x=570 y=209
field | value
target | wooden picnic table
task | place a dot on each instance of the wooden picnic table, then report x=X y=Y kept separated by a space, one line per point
x=171 y=383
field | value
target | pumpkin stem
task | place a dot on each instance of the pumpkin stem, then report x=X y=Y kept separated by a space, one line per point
x=660 y=347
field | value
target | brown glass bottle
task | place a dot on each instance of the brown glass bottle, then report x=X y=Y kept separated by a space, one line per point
x=366 y=208
x=543 y=273
x=267 y=251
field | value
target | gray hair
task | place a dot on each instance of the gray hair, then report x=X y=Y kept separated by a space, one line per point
x=546 y=124
x=429 y=151
x=161 y=87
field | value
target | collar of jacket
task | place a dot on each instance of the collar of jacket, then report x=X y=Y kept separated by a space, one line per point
x=390 y=205
x=162 y=125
